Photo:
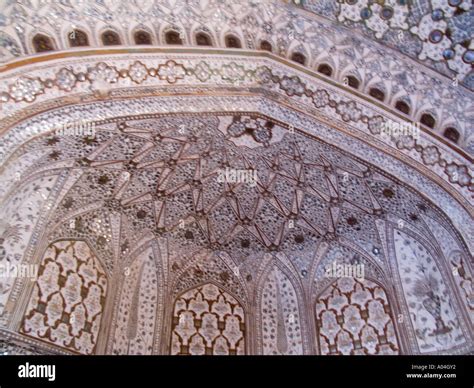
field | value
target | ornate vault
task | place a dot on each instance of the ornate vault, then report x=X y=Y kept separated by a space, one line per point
x=142 y=247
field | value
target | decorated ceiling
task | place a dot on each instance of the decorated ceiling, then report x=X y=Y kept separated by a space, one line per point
x=234 y=185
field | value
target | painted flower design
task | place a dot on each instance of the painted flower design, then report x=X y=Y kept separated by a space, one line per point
x=171 y=71
x=103 y=73
x=137 y=72
x=260 y=130
x=202 y=71
x=292 y=86
x=236 y=129
x=263 y=74
x=458 y=174
x=233 y=72
x=348 y=111
x=375 y=124
x=406 y=141
x=65 y=79
x=430 y=155
x=26 y=88
x=262 y=134
x=320 y=98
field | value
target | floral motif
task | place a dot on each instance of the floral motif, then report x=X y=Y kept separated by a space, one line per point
x=236 y=129
x=375 y=124
x=348 y=111
x=26 y=88
x=202 y=71
x=65 y=79
x=263 y=74
x=406 y=142
x=431 y=35
x=262 y=134
x=171 y=71
x=292 y=85
x=459 y=174
x=320 y=98
x=138 y=72
x=233 y=72
x=103 y=73
x=261 y=130
x=430 y=155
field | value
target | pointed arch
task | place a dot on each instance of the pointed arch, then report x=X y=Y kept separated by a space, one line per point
x=65 y=308
x=325 y=69
x=210 y=267
x=232 y=41
x=266 y=46
x=137 y=306
x=452 y=134
x=402 y=106
x=110 y=38
x=78 y=38
x=299 y=58
x=173 y=37
x=351 y=81
x=142 y=37
x=435 y=321
x=428 y=120
x=203 y=39
x=207 y=321
x=353 y=316
x=280 y=323
x=377 y=93
x=43 y=43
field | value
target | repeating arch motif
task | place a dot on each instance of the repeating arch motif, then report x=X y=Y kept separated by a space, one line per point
x=350 y=52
